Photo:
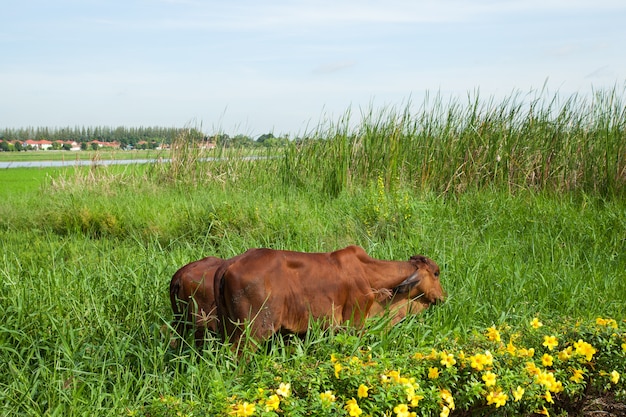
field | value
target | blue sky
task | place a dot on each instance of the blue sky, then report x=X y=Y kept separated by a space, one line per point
x=254 y=67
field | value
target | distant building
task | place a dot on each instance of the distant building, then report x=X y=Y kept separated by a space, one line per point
x=38 y=144
x=74 y=146
x=104 y=144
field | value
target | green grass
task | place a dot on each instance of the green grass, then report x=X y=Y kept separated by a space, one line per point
x=108 y=154
x=87 y=255
x=15 y=182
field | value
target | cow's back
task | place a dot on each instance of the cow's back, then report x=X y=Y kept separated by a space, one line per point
x=280 y=291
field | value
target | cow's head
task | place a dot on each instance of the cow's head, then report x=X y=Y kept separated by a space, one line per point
x=423 y=285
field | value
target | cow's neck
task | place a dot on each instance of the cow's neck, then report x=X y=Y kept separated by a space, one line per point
x=388 y=274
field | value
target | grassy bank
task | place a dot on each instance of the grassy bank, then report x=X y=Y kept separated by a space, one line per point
x=89 y=155
x=88 y=253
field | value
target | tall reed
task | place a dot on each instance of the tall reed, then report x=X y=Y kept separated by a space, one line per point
x=536 y=141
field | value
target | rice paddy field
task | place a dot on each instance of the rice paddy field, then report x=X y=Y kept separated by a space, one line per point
x=87 y=155
x=521 y=202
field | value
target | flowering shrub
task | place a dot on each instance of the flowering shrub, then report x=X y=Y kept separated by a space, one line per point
x=532 y=369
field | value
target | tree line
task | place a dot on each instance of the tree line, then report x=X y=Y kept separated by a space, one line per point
x=134 y=137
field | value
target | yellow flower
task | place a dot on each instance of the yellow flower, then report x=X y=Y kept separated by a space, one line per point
x=394 y=375
x=615 y=377
x=578 y=376
x=445 y=412
x=333 y=358
x=353 y=408
x=327 y=396
x=606 y=322
x=447 y=359
x=548 y=397
x=550 y=342
x=284 y=390
x=532 y=369
x=526 y=352
x=272 y=403
x=433 y=373
x=414 y=399
x=511 y=349
x=535 y=323
x=338 y=369
x=476 y=362
x=362 y=391
x=544 y=411
x=433 y=354
x=518 y=393
x=624 y=346
x=497 y=398
x=479 y=361
x=493 y=334
x=565 y=354
x=402 y=410
x=546 y=360
x=548 y=380
x=584 y=349
x=447 y=397
x=355 y=361
x=489 y=378
x=243 y=410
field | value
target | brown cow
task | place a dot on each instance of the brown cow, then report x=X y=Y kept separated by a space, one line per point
x=193 y=299
x=281 y=291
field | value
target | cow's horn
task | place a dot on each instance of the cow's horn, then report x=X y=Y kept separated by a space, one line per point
x=405 y=285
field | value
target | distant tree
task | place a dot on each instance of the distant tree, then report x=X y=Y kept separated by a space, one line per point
x=67 y=147
x=263 y=138
x=242 y=141
x=18 y=145
x=222 y=140
x=83 y=146
x=94 y=146
x=4 y=146
x=268 y=140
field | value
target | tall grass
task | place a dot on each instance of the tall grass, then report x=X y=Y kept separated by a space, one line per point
x=533 y=141
x=193 y=165
x=85 y=260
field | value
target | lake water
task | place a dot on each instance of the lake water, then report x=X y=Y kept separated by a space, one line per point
x=75 y=162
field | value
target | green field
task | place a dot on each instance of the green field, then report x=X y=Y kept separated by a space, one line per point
x=524 y=211
x=81 y=155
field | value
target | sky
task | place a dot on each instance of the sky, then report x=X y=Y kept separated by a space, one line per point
x=285 y=67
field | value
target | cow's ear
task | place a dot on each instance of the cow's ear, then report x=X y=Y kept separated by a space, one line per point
x=407 y=285
x=418 y=259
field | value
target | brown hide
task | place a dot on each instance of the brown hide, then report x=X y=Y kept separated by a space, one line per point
x=281 y=291
x=193 y=298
